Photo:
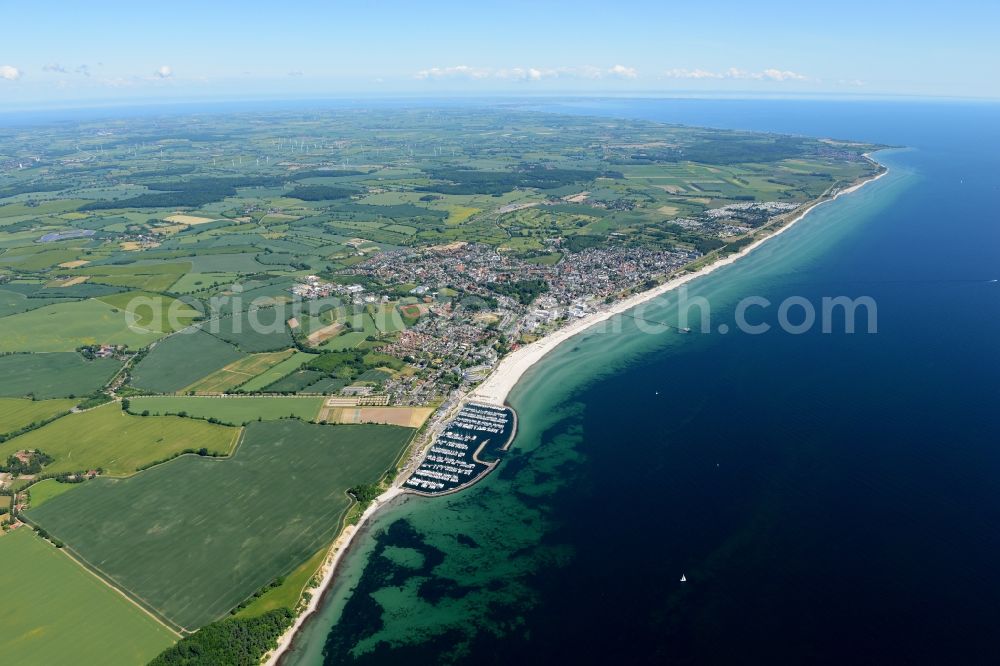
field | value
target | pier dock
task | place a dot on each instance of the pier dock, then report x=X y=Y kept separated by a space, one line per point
x=470 y=445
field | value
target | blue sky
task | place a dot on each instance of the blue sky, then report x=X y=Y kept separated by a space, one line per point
x=54 y=53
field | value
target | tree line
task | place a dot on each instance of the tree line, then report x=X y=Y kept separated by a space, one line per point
x=233 y=641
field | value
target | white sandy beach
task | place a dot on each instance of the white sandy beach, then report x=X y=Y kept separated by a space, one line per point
x=498 y=385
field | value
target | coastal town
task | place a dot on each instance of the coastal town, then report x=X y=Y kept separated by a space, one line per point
x=459 y=308
x=477 y=304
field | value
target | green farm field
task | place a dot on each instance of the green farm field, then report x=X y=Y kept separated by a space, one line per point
x=178 y=268
x=54 y=611
x=119 y=443
x=154 y=311
x=286 y=367
x=193 y=538
x=193 y=282
x=66 y=326
x=260 y=330
x=39 y=260
x=233 y=409
x=238 y=372
x=46 y=489
x=13 y=302
x=55 y=375
x=345 y=341
x=297 y=381
x=150 y=283
x=181 y=360
x=48 y=207
x=16 y=413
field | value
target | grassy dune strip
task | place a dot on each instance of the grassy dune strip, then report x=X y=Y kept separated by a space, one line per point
x=288 y=592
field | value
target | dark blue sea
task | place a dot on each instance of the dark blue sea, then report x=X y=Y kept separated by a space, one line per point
x=830 y=498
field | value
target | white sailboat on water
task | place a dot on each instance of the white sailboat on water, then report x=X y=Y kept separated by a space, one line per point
x=684 y=578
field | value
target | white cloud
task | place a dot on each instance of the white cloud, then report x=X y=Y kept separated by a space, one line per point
x=164 y=72
x=623 y=72
x=295 y=72
x=9 y=72
x=736 y=74
x=524 y=74
x=782 y=75
x=691 y=74
x=457 y=71
x=83 y=69
x=527 y=73
x=591 y=72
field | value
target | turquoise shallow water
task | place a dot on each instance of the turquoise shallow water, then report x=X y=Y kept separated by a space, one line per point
x=829 y=497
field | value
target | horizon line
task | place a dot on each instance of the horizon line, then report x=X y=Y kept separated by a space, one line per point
x=746 y=95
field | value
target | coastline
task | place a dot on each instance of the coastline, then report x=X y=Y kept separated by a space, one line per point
x=326 y=571
x=508 y=372
x=498 y=385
